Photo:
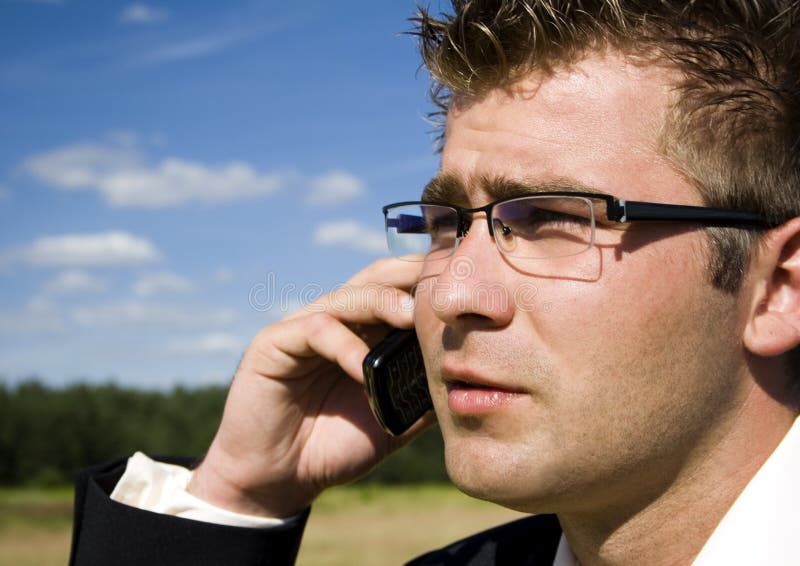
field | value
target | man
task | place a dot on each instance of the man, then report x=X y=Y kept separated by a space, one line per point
x=626 y=371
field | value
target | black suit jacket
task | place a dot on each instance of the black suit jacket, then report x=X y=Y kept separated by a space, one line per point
x=108 y=532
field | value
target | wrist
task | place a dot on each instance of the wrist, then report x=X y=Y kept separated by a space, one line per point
x=232 y=493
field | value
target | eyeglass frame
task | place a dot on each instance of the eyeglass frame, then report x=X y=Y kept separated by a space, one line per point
x=617 y=210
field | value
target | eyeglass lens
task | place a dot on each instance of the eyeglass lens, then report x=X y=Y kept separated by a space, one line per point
x=534 y=227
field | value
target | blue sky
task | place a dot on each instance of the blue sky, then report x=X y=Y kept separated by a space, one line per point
x=175 y=175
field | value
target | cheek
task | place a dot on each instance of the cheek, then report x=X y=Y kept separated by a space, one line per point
x=640 y=299
x=429 y=331
x=426 y=322
x=645 y=354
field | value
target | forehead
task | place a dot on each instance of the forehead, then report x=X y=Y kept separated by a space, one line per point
x=595 y=124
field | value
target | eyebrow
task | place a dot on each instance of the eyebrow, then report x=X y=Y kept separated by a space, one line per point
x=450 y=189
x=444 y=188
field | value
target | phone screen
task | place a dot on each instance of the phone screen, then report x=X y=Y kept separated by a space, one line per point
x=397 y=386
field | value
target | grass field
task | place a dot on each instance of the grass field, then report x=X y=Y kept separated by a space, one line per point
x=358 y=525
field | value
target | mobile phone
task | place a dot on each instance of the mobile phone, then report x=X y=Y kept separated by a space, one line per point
x=397 y=386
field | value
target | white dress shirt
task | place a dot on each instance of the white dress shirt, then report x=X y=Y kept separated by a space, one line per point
x=155 y=486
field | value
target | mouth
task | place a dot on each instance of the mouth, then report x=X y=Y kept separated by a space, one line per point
x=462 y=384
x=474 y=396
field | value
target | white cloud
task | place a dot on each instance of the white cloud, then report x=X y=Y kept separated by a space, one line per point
x=138 y=13
x=155 y=283
x=138 y=314
x=176 y=181
x=122 y=177
x=352 y=235
x=75 y=281
x=84 y=250
x=334 y=188
x=123 y=138
x=39 y=316
x=194 y=48
x=223 y=275
x=81 y=166
x=214 y=343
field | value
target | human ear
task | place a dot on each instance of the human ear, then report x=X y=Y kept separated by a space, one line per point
x=773 y=326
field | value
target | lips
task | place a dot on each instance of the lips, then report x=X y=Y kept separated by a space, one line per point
x=459 y=384
x=471 y=394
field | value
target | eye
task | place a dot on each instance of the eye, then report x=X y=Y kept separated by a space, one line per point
x=529 y=218
x=504 y=235
x=540 y=217
x=543 y=226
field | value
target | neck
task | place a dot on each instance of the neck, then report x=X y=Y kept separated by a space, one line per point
x=670 y=521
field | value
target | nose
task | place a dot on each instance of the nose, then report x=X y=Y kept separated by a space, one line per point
x=471 y=288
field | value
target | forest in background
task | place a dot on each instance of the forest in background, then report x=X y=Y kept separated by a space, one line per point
x=47 y=433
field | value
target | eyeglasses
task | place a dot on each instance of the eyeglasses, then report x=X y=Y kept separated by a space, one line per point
x=540 y=226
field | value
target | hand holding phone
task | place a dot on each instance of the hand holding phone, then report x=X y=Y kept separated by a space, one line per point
x=296 y=421
x=397 y=386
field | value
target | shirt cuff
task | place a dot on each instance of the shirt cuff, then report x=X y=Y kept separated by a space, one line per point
x=161 y=488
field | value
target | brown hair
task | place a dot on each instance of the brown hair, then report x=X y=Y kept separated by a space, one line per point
x=735 y=127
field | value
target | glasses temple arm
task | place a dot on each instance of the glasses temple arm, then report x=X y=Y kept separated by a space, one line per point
x=407 y=224
x=630 y=211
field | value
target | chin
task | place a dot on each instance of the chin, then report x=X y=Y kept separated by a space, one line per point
x=487 y=470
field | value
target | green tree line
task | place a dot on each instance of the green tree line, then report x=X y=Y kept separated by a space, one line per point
x=47 y=433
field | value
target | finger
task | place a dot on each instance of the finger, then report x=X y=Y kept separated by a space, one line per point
x=371 y=303
x=389 y=271
x=376 y=279
x=371 y=334
x=287 y=349
x=386 y=303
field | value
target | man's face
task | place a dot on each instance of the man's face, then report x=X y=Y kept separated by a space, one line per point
x=598 y=378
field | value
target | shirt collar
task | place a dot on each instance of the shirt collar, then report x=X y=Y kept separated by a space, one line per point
x=761 y=525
